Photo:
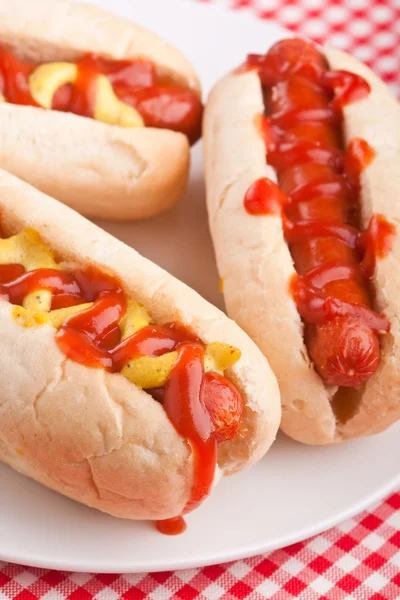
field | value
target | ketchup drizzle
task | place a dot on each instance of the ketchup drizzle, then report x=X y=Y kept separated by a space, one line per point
x=205 y=408
x=318 y=195
x=159 y=101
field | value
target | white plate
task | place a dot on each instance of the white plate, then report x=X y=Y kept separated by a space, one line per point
x=296 y=491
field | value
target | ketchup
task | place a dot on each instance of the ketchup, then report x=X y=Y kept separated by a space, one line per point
x=10 y=272
x=14 y=79
x=283 y=155
x=376 y=242
x=357 y=157
x=348 y=87
x=173 y=526
x=205 y=408
x=158 y=100
x=191 y=418
x=317 y=197
x=264 y=198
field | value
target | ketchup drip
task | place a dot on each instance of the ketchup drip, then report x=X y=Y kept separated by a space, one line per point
x=186 y=381
x=159 y=102
x=317 y=197
x=205 y=408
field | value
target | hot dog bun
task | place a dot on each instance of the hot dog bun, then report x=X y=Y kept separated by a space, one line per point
x=101 y=170
x=256 y=266
x=90 y=434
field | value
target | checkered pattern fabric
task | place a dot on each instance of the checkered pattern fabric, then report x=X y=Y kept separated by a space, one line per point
x=359 y=559
x=368 y=29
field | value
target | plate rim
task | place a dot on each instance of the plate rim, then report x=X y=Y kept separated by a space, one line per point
x=222 y=557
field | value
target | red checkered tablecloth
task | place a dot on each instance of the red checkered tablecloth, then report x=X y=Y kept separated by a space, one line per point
x=359 y=559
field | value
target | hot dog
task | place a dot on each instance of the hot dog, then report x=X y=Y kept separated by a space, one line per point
x=90 y=106
x=121 y=387
x=304 y=220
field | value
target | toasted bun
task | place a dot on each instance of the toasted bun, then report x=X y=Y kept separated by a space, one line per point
x=255 y=263
x=101 y=170
x=92 y=435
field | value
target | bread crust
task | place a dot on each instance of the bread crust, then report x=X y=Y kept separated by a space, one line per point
x=377 y=120
x=103 y=171
x=100 y=170
x=93 y=435
x=256 y=266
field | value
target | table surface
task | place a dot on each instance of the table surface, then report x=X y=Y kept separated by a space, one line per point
x=360 y=558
